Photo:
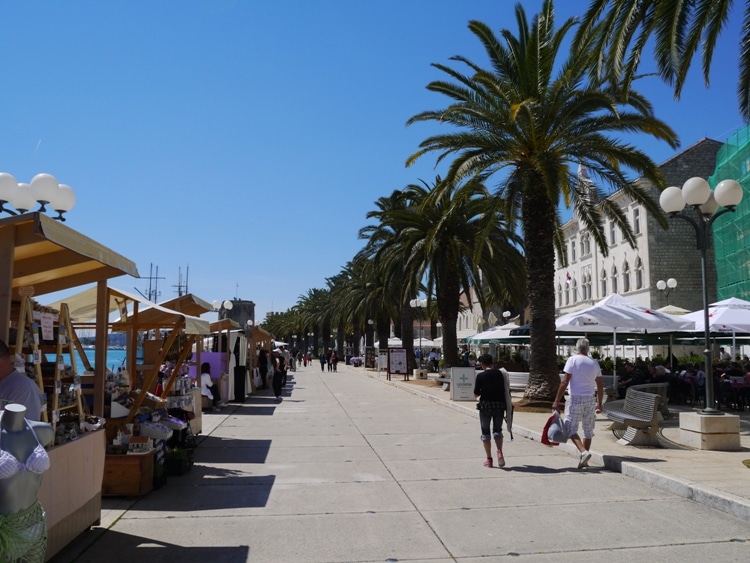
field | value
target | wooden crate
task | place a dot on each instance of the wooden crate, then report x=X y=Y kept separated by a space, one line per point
x=130 y=475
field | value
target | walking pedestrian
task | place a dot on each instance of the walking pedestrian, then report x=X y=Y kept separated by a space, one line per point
x=334 y=360
x=263 y=368
x=279 y=375
x=322 y=357
x=492 y=387
x=584 y=376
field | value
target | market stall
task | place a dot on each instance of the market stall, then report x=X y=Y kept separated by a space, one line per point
x=39 y=256
x=258 y=340
x=148 y=403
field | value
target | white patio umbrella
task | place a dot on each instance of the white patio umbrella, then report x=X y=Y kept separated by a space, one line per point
x=673 y=310
x=493 y=334
x=614 y=313
x=729 y=315
x=394 y=343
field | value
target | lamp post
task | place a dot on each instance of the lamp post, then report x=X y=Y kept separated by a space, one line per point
x=419 y=304
x=666 y=286
x=506 y=316
x=697 y=194
x=222 y=307
x=43 y=189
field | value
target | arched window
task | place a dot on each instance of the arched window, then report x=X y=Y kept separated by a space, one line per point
x=574 y=287
x=586 y=245
x=567 y=294
x=625 y=277
x=637 y=220
x=587 y=294
x=603 y=279
x=559 y=295
x=573 y=250
x=638 y=273
x=613 y=277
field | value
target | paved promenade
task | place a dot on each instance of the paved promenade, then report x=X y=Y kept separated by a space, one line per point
x=350 y=467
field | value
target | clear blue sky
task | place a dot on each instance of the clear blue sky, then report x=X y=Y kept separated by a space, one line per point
x=246 y=140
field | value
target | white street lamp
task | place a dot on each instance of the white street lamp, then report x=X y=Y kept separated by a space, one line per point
x=666 y=286
x=697 y=194
x=43 y=189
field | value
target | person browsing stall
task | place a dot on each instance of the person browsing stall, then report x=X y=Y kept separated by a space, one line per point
x=17 y=387
x=209 y=388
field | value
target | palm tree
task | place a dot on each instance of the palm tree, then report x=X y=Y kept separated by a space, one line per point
x=315 y=312
x=621 y=29
x=395 y=287
x=535 y=118
x=454 y=241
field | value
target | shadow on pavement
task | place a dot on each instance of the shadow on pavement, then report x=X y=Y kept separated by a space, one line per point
x=126 y=547
x=542 y=470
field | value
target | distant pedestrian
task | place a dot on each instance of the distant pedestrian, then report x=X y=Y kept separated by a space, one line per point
x=263 y=368
x=334 y=360
x=584 y=376
x=465 y=356
x=724 y=356
x=322 y=358
x=434 y=359
x=279 y=376
x=492 y=387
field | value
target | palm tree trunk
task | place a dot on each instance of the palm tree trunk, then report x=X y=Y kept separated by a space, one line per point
x=384 y=331
x=407 y=335
x=356 y=339
x=369 y=334
x=449 y=299
x=340 y=340
x=539 y=224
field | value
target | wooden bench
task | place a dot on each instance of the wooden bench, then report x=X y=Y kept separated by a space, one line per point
x=635 y=420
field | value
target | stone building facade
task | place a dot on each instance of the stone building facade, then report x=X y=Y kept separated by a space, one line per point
x=660 y=253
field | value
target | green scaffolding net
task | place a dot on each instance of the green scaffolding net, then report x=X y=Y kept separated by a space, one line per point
x=729 y=231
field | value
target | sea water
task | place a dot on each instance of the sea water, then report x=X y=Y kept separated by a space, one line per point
x=115 y=359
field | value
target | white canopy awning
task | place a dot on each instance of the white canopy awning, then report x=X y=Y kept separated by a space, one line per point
x=82 y=308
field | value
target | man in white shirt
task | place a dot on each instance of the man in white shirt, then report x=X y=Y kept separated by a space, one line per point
x=584 y=376
x=17 y=387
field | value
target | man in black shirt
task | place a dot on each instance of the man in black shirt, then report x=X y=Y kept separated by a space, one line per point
x=492 y=387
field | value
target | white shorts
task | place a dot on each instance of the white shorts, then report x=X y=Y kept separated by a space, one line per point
x=580 y=409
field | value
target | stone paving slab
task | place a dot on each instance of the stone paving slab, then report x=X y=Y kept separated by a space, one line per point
x=411 y=490
x=716 y=478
